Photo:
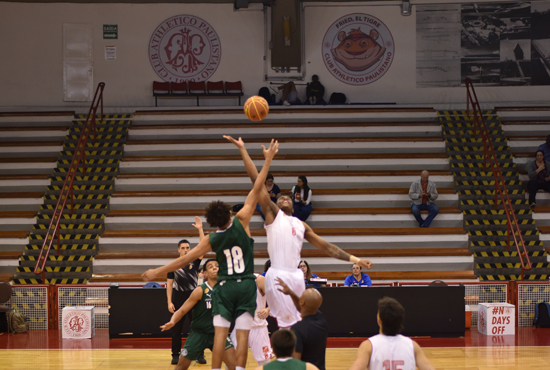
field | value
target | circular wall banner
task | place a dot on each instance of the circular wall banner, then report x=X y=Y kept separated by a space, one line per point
x=358 y=49
x=185 y=48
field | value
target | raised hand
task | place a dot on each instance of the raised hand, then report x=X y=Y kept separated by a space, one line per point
x=149 y=275
x=198 y=223
x=285 y=289
x=239 y=143
x=272 y=150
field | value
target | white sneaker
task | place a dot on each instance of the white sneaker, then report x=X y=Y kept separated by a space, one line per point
x=286 y=102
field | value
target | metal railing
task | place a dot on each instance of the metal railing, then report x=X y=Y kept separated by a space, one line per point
x=501 y=192
x=78 y=161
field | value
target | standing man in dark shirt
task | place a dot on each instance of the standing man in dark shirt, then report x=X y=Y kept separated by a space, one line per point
x=311 y=332
x=179 y=285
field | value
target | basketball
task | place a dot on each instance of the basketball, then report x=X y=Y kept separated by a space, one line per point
x=256 y=108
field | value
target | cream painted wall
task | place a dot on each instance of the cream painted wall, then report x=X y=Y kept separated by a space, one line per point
x=31 y=54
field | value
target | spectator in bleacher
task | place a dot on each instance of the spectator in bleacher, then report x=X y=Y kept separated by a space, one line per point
x=545 y=148
x=539 y=176
x=179 y=284
x=315 y=91
x=308 y=275
x=290 y=95
x=273 y=190
x=357 y=277
x=301 y=193
x=423 y=194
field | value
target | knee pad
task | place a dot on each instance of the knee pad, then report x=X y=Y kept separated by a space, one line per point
x=244 y=322
x=221 y=322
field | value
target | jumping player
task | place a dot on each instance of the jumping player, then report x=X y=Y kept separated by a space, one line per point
x=389 y=349
x=234 y=297
x=285 y=237
x=201 y=335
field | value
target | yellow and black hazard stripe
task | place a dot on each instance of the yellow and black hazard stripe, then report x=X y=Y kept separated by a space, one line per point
x=469 y=157
x=29 y=293
x=27 y=281
x=93 y=207
x=506 y=265
x=500 y=233
x=72 y=258
x=66 y=281
x=484 y=173
x=479 y=165
x=506 y=254
x=502 y=243
x=70 y=226
x=90 y=162
x=67 y=236
x=105 y=116
x=98 y=137
x=473 y=148
x=484 y=202
x=498 y=277
x=535 y=289
x=95 y=145
x=88 y=169
x=494 y=212
x=486 y=182
x=65 y=216
x=86 y=178
x=103 y=128
x=497 y=222
x=80 y=196
x=68 y=269
x=70 y=153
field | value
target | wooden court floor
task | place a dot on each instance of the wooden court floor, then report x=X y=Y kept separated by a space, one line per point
x=529 y=349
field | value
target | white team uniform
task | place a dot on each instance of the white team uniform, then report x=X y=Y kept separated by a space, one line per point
x=285 y=237
x=258 y=337
x=392 y=352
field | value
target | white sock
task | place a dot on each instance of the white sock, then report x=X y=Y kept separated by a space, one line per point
x=239 y=368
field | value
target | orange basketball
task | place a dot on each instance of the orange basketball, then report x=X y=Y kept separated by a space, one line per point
x=256 y=108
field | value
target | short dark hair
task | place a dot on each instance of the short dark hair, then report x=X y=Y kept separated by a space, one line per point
x=207 y=262
x=537 y=152
x=283 y=342
x=267 y=265
x=218 y=213
x=183 y=241
x=391 y=314
x=269 y=177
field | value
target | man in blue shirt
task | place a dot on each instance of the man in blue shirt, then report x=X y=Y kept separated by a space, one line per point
x=545 y=148
x=357 y=278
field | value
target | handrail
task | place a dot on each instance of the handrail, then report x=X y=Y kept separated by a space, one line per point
x=79 y=158
x=500 y=187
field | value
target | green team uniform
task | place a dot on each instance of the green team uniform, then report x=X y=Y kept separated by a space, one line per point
x=290 y=364
x=201 y=334
x=235 y=292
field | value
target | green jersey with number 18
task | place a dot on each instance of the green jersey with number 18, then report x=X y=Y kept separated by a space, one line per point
x=234 y=252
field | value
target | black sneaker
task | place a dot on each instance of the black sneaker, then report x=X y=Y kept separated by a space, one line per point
x=201 y=360
x=175 y=360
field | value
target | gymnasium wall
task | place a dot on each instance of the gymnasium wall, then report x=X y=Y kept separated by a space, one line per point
x=31 y=60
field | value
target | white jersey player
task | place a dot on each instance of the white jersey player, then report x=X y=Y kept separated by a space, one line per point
x=285 y=235
x=258 y=338
x=390 y=350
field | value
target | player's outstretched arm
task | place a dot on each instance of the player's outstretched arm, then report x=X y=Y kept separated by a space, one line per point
x=363 y=356
x=268 y=207
x=331 y=249
x=185 y=307
x=198 y=225
x=200 y=250
x=250 y=204
x=422 y=361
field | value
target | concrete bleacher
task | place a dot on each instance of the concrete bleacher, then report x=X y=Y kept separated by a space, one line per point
x=29 y=147
x=359 y=163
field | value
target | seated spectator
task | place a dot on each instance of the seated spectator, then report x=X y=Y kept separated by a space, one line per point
x=315 y=91
x=423 y=194
x=545 y=149
x=308 y=275
x=273 y=191
x=539 y=176
x=290 y=95
x=357 y=277
x=301 y=193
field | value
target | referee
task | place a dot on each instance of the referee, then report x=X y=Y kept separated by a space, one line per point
x=179 y=285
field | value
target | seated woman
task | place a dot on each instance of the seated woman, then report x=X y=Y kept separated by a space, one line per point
x=539 y=176
x=308 y=275
x=273 y=190
x=301 y=193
